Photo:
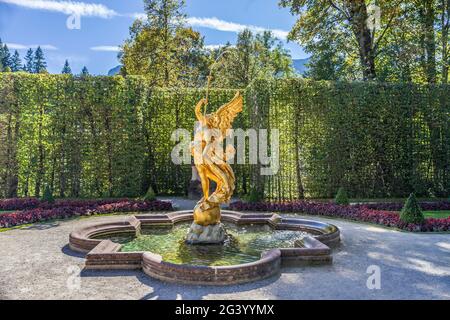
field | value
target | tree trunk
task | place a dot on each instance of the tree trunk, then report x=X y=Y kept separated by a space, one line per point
x=300 y=188
x=445 y=23
x=358 y=20
x=430 y=40
x=12 y=179
x=40 y=171
x=62 y=166
x=109 y=149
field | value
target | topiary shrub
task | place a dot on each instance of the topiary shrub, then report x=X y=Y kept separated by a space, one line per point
x=341 y=197
x=150 y=195
x=48 y=195
x=411 y=212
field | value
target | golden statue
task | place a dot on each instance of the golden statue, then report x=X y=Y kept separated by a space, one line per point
x=211 y=164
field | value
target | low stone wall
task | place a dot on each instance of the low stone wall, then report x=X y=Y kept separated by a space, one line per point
x=267 y=266
x=105 y=254
x=82 y=240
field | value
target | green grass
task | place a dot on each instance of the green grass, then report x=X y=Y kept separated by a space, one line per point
x=437 y=214
x=402 y=200
x=14 y=228
x=3 y=212
x=68 y=219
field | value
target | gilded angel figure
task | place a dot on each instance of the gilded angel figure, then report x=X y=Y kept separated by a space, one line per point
x=210 y=160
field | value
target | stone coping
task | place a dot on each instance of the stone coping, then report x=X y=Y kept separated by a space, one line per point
x=105 y=254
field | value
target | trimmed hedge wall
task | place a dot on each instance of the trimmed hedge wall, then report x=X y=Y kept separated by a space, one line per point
x=93 y=136
x=373 y=139
x=110 y=137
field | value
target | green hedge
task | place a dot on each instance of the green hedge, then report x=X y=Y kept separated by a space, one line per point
x=375 y=140
x=110 y=137
x=92 y=137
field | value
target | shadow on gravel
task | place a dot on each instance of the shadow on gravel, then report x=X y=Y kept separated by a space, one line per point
x=67 y=251
x=41 y=226
x=171 y=291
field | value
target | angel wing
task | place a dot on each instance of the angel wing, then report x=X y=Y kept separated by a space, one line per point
x=226 y=114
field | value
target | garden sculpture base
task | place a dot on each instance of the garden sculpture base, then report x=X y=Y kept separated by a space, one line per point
x=212 y=234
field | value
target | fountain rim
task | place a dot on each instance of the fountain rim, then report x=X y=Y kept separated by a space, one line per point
x=105 y=254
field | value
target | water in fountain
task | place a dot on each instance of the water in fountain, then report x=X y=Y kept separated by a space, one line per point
x=243 y=244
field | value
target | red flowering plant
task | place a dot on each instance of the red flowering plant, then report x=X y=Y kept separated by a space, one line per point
x=43 y=211
x=362 y=213
x=18 y=204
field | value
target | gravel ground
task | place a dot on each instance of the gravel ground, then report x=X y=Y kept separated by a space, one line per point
x=35 y=263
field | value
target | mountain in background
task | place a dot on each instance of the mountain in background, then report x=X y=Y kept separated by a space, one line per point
x=114 y=71
x=300 y=65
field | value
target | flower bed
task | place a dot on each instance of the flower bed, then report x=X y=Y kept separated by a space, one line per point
x=71 y=208
x=18 y=204
x=354 y=212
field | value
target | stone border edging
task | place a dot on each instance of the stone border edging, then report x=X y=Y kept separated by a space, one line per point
x=105 y=254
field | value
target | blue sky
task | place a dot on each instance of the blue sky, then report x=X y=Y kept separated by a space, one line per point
x=105 y=24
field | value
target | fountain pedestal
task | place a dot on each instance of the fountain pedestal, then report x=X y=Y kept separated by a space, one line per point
x=206 y=228
x=212 y=234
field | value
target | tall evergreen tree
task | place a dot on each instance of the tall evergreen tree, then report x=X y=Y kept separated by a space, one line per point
x=163 y=48
x=16 y=63
x=29 y=61
x=2 y=67
x=84 y=72
x=6 y=57
x=66 y=69
x=40 y=66
x=166 y=17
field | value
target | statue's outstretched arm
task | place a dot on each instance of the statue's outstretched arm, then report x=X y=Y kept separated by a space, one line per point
x=198 y=110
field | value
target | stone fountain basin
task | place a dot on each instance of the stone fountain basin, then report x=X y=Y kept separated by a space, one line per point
x=105 y=254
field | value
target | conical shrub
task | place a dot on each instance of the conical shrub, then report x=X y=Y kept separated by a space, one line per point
x=341 y=197
x=150 y=195
x=411 y=212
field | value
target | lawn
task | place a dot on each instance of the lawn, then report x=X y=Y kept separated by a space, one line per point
x=437 y=214
x=402 y=200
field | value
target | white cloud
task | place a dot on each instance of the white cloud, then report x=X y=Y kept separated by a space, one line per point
x=221 y=25
x=67 y=7
x=141 y=16
x=18 y=46
x=216 y=46
x=106 y=48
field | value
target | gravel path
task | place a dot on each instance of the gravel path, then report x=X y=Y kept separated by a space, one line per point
x=35 y=263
